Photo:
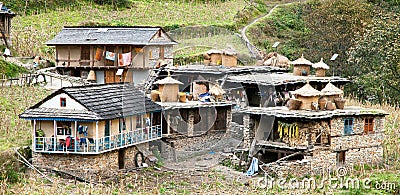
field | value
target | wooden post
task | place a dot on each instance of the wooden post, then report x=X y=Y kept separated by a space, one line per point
x=34 y=136
x=57 y=57
x=105 y=61
x=151 y=125
x=168 y=124
x=75 y=137
x=161 y=124
x=69 y=56
x=55 y=134
x=97 y=136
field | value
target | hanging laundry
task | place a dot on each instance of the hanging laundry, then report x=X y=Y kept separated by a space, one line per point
x=99 y=54
x=7 y=52
x=110 y=55
x=124 y=59
x=120 y=60
x=127 y=58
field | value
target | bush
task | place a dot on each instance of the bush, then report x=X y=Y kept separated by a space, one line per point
x=10 y=70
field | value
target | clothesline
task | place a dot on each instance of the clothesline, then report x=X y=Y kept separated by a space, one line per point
x=124 y=59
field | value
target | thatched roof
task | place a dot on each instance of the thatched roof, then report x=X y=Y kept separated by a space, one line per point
x=321 y=64
x=229 y=51
x=168 y=80
x=307 y=90
x=331 y=89
x=216 y=90
x=302 y=61
x=211 y=51
x=278 y=60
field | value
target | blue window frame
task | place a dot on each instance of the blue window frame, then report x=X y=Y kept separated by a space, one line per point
x=348 y=126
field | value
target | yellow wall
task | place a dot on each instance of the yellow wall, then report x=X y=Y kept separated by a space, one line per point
x=47 y=127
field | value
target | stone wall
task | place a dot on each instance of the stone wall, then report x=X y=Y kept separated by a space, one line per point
x=359 y=148
x=356 y=141
x=337 y=124
x=324 y=160
x=87 y=166
x=248 y=128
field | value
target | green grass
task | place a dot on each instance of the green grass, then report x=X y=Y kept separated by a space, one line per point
x=10 y=70
x=15 y=132
x=284 y=25
x=31 y=32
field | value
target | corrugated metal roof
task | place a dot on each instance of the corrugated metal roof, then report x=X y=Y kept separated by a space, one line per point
x=108 y=36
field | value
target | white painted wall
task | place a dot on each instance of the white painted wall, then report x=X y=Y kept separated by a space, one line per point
x=55 y=103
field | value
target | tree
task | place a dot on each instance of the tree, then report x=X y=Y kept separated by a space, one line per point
x=333 y=26
x=375 y=59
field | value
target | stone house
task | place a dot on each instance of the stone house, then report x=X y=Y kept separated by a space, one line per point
x=98 y=126
x=314 y=139
x=104 y=50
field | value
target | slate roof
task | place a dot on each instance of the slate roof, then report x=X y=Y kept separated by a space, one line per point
x=108 y=36
x=103 y=102
x=281 y=79
x=5 y=10
x=284 y=112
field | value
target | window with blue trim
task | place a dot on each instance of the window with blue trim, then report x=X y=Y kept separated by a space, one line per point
x=348 y=126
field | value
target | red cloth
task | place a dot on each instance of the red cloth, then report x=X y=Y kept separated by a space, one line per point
x=68 y=141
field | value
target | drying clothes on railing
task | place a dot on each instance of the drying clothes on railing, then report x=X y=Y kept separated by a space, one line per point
x=99 y=54
x=110 y=55
x=253 y=169
x=205 y=97
x=124 y=59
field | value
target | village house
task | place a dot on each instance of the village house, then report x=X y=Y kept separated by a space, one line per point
x=111 y=54
x=5 y=24
x=97 y=126
x=190 y=119
x=311 y=129
x=320 y=132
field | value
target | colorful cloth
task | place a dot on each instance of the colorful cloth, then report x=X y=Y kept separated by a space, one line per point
x=99 y=54
x=124 y=59
x=253 y=169
x=110 y=55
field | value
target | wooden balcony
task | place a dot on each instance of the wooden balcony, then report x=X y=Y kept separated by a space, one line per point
x=88 y=145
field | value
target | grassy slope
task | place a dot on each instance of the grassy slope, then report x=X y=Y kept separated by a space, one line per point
x=283 y=25
x=15 y=132
x=30 y=32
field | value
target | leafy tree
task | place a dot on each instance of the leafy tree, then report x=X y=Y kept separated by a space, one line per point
x=375 y=59
x=334 y=25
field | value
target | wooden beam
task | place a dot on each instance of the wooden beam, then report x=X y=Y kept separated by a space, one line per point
x=55 y=135
x=34 y=136
x=69 y=56
x=76 y=126
x=97 y=136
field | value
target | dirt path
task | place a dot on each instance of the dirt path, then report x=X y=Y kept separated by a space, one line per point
x=253 y=49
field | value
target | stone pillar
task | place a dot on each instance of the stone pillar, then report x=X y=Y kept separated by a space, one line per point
x=246 y=131
x=191 y=123
x=228 y=119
